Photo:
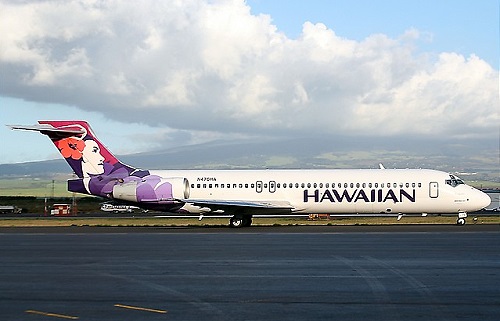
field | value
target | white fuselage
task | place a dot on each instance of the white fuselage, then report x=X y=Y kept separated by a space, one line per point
x=361 y=191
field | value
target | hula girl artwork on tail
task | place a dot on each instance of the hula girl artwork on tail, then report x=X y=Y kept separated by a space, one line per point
x=84 y=156
x=97 y=169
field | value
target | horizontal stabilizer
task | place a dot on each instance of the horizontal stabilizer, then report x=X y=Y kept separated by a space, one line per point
x=52 y=131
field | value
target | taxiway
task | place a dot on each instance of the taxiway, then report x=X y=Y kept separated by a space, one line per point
x=261 y=273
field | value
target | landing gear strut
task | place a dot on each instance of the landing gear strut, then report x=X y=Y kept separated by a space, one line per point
x=240 y=221
x=461 y=218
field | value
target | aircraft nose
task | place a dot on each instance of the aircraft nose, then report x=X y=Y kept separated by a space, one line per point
x=482 y=200
x=485 y=200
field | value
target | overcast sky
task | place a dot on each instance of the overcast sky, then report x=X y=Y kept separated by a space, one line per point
x=156 y=74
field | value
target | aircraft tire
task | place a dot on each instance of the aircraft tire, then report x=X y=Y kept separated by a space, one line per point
x=247 y=220
x=236 y=221
x=461 y=221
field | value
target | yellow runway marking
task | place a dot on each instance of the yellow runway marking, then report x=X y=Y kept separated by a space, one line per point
x=139 y=308
x=48 y=314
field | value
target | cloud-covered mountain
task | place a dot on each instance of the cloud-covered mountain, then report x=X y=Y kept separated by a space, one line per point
x=344 y=152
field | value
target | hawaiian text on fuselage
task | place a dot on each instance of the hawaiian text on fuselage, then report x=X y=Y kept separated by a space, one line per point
x=359 y=195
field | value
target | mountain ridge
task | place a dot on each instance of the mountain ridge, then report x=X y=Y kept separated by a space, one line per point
x=306 y=152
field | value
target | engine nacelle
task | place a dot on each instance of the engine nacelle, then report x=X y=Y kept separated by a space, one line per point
x=152 y=189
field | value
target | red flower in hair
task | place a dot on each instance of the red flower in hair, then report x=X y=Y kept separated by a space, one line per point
x=71 y=147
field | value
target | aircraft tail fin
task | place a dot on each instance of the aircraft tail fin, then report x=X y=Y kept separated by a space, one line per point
x=79 y=146
x=100 y=173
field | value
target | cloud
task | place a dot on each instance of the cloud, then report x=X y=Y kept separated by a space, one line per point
x=213 y=66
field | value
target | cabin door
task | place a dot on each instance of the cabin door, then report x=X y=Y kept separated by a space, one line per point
x=433 y=189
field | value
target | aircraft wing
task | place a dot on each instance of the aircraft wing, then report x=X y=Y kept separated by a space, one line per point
x=244 y=207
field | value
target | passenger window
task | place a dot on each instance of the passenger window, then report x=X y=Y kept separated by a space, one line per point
x=407 y=185
x=315 y=185
x=357 y=185
x=308 y=185
x=327 y=185
x=209 y=185
x=296 y=185
x=240 y=185
x=369 y=185
x=204 y=185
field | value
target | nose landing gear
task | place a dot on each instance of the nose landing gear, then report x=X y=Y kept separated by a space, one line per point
x=461 y=218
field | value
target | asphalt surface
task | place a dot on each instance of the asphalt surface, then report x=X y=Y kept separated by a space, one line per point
x=259 y=273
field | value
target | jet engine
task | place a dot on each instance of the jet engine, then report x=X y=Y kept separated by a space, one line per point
x=152 y=189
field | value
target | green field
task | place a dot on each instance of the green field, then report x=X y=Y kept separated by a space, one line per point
x=34 y=187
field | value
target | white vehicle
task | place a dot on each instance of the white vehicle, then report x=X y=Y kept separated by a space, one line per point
x=116 y=208
x=10 y=209
x=244 y=193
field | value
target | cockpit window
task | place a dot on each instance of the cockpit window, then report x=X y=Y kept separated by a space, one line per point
x=454 y=181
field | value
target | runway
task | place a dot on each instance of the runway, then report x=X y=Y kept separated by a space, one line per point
x=275 y=273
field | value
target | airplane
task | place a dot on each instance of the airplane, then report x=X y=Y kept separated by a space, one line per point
x=241 y=194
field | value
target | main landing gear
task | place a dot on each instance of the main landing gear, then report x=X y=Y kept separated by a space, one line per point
x=240 y=221
x=461 y=218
